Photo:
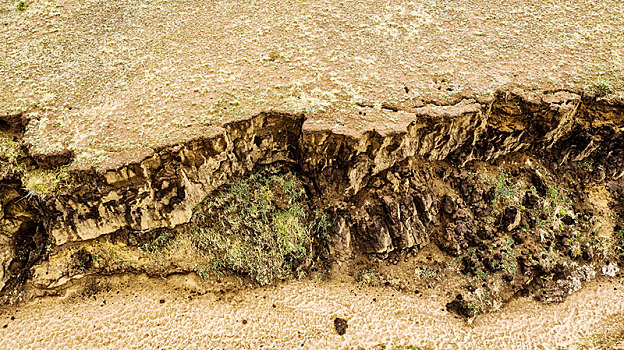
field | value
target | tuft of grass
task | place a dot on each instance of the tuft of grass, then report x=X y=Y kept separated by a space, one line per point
x=10 y=153
x=40 y=182
x=259 y=227
x=369 y=277
x=203 y=271
x=159 y=244
x=406 y=347
x=475 y=307
x=619 y=241
x=558 y=194
x=603 y=88
x=22 y=6
x=587 y=165
x=9 y=149
x=425 y=272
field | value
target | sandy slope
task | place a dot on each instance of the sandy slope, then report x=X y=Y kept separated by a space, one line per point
x=159 y=314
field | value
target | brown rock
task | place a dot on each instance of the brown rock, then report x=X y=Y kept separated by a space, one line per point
x=341 y=325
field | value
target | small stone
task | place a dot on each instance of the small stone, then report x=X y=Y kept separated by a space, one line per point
x=341 y=325
x=511 y=218
x=610 y=270
x=162 y=301
x=448 y=205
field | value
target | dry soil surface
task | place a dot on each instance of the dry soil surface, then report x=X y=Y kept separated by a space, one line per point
x=142 y=313
x=110 y=80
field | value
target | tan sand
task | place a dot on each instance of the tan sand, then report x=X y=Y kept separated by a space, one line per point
x=110 y=80
x=300 y=315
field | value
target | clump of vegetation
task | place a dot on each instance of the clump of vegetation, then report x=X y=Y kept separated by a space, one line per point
x=552 y=239
x=22 y=5
x=10 y=153
x=159 y=244
x=44 y=182
x=503 y=185
x=406 y=347
x=38 y=182
x=259 y=227
x=369 y=277
x=475 y=307
x=619 y=238
x=603 y=88
x=609 y=247
x=425 y=272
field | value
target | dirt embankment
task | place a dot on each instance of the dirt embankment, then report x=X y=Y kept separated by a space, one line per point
x=518 y=194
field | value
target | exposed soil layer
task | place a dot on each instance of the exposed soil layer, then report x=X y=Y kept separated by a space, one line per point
x=522 y=193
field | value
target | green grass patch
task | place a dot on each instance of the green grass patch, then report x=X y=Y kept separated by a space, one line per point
x=38 y=182
x=22 y=6
x=159 y=244
x=369 y=277
x=259 y=227
x=45 y=182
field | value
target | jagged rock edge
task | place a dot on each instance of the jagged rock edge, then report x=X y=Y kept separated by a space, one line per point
x=314 y=152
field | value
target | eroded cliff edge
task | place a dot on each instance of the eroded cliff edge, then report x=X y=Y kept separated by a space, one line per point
x=521 y=193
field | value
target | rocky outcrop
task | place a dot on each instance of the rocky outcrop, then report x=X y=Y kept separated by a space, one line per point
x=387 y=180
x=22 y=236
x=162 y=190
x=461 y=176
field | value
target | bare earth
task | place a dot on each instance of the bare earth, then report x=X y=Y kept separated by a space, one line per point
x=111 y=80
x=165 y=315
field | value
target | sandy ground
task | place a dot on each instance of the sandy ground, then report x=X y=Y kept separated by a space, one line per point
x=143 y=313
x=110 y=80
